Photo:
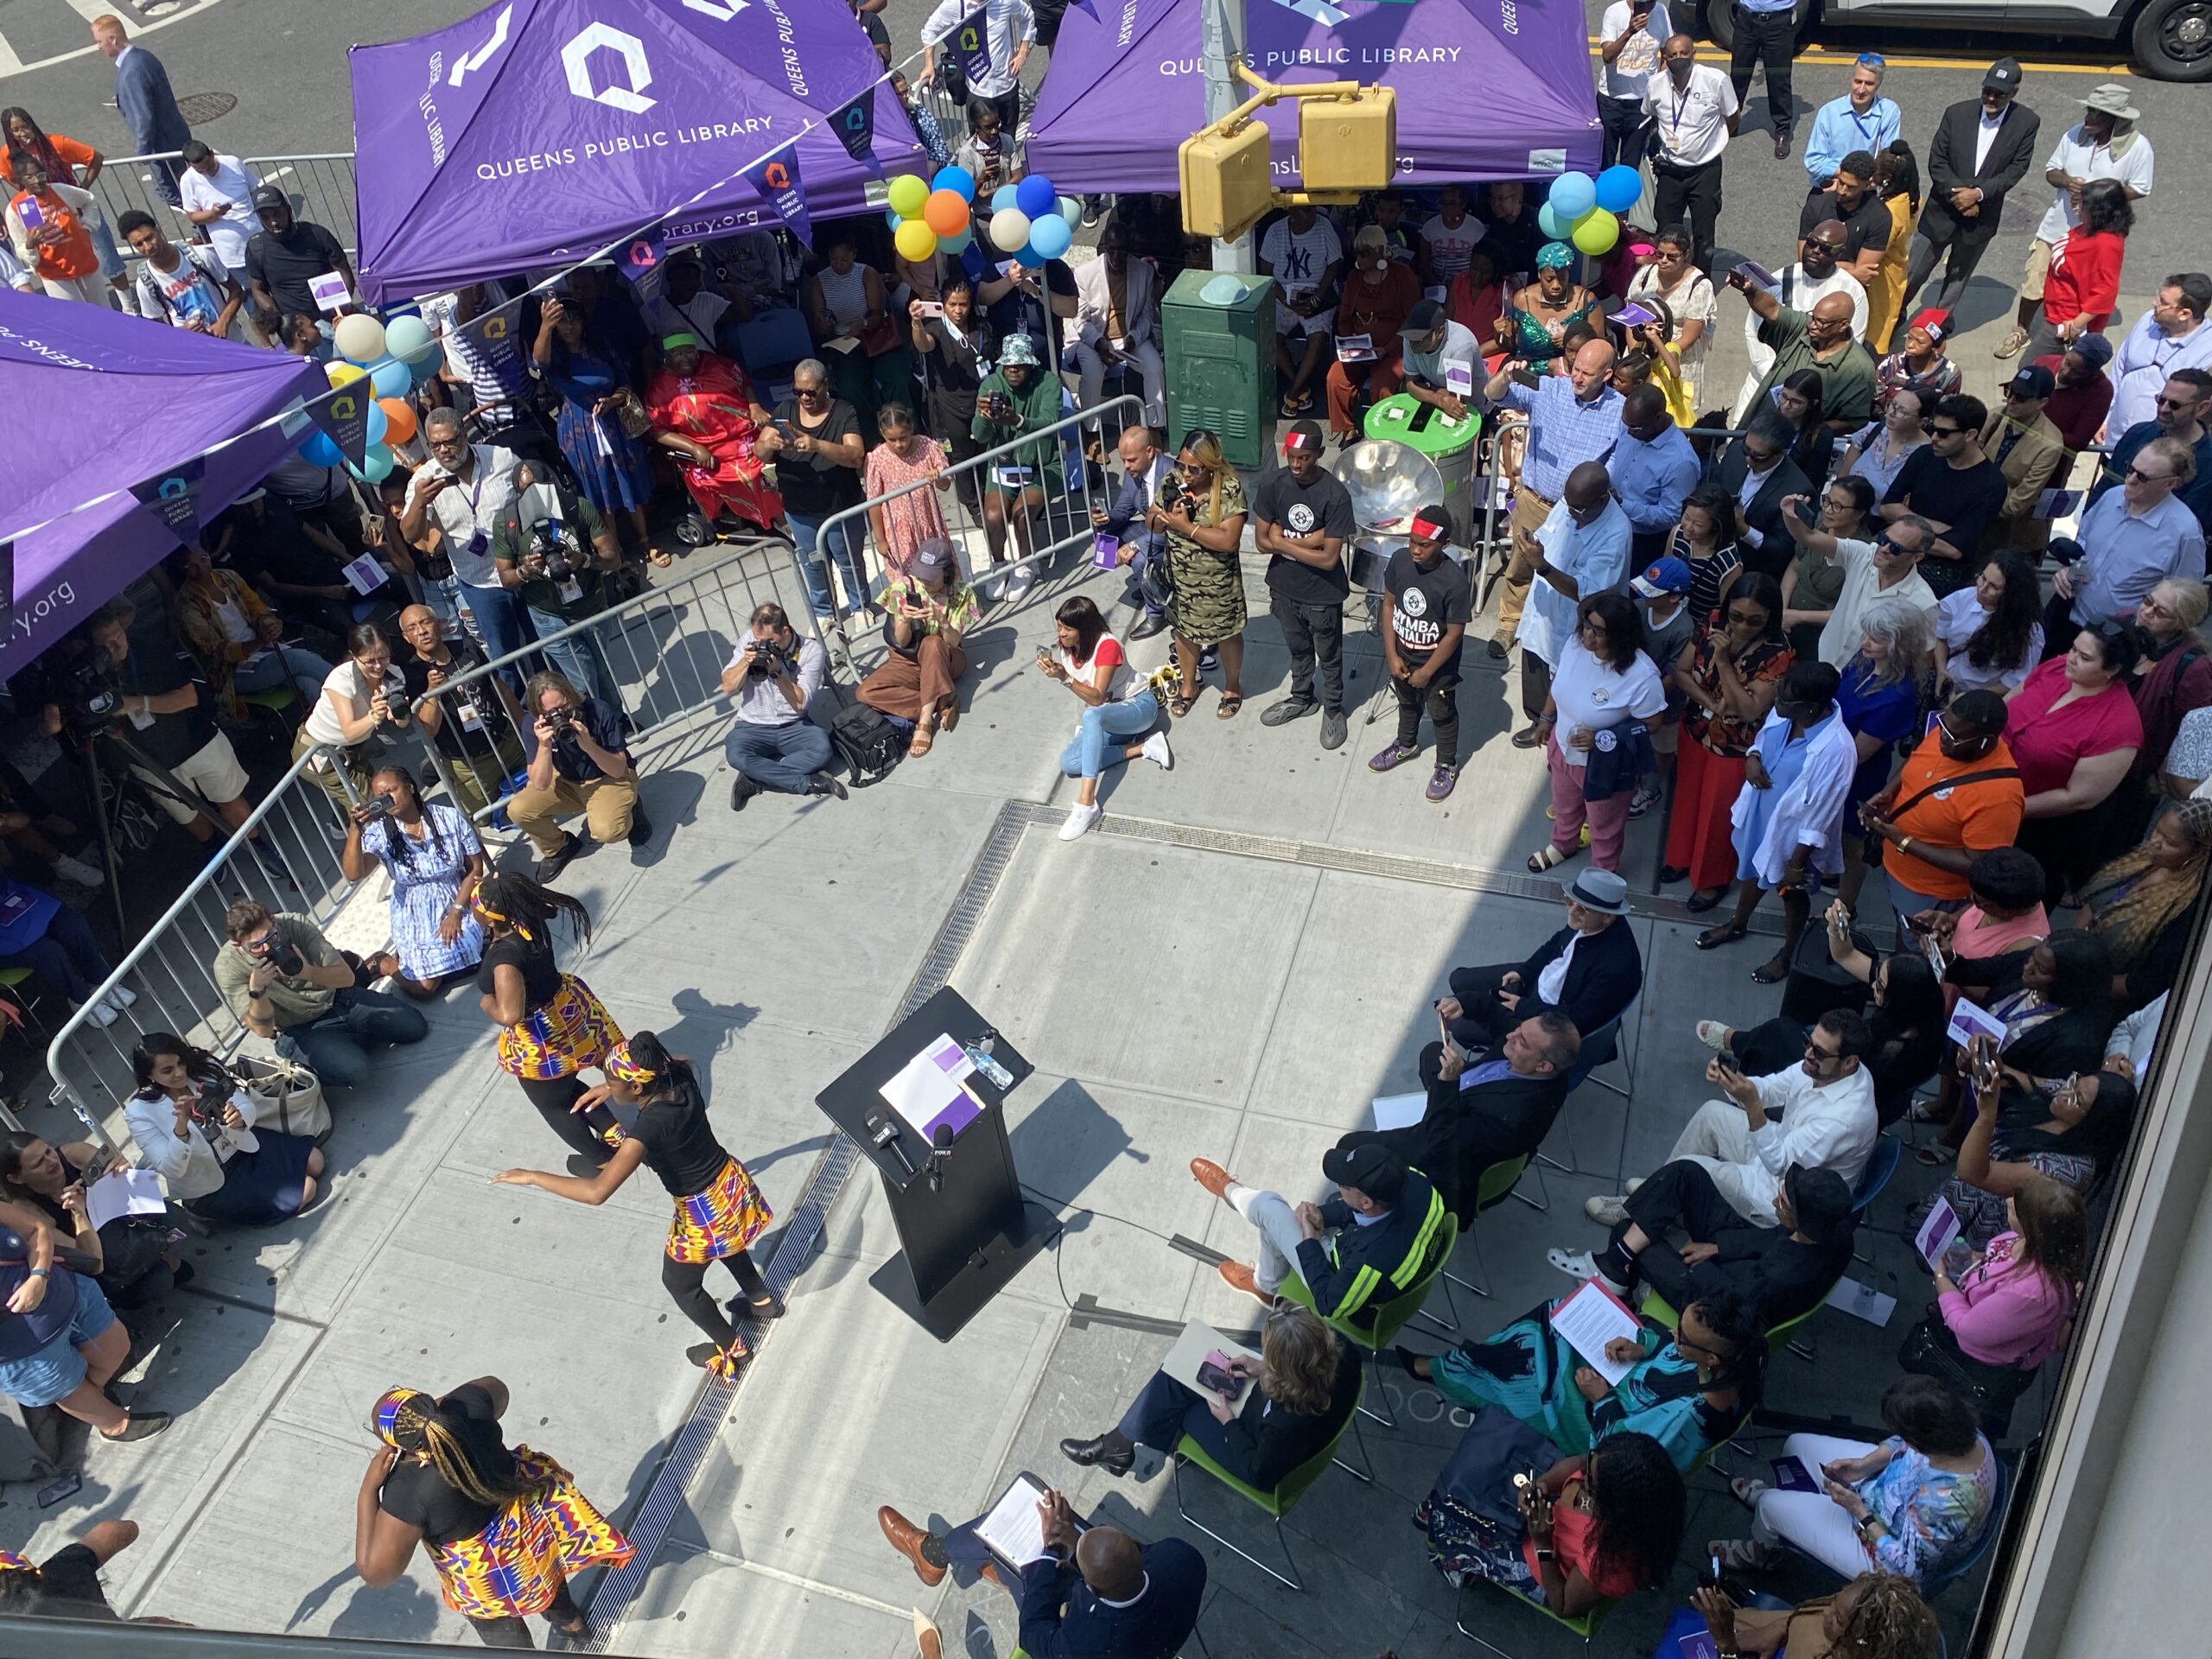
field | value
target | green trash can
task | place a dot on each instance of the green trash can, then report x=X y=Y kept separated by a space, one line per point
x=1450 y=444
x=1218 y=333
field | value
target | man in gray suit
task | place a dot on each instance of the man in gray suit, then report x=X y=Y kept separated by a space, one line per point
x=142 y=92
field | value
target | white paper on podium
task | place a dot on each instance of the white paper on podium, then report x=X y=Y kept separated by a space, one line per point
x=126 y=1192
x=1011 y=1529
x=928 y=1086
x=1589 y=1320
x=1400 y=1111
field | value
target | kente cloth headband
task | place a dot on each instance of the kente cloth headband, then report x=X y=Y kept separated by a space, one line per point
x=623 y=1068
x=484 y=912
x=384 y=1416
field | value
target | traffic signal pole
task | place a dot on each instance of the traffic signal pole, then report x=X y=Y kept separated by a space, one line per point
x=1221 y=40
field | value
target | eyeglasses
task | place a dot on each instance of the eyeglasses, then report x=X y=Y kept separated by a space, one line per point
x=2142 y=477
x=1825 y=1056
x=2157 y=609
x=1735 y=615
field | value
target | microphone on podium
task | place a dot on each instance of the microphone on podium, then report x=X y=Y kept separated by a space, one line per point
x=940 y=1149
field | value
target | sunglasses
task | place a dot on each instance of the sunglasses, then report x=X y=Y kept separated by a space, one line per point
x=1815 y=242
x=1936 y=431
x=1758 y=617
x=1761 y=456
x=1872 y=61
x=1825 y=1056
x=2142 y=477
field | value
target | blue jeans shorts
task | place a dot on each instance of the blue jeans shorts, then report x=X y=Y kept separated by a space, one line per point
x=54 y=1372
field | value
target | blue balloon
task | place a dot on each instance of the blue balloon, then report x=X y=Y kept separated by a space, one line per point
x=320 y=451
x=959 y=180
x=1547 y=222
x=391 y=376
x=1006 y=196
x=1050 y=236
x=379 y=422
x=426 y=370
x=1035 y=196
x=1572 y=194
x=1619 y=189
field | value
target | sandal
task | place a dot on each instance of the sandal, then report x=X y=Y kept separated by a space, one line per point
x=1713 y=1035
x=1546 y=857
x=1727 y=933
x=1182 y=702
x=1231 y=703
x=1771 y=972
x=661 y=560
x=918 y=745
x=1934 y=1156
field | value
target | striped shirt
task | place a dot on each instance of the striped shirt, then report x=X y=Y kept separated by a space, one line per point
x=1563 y=431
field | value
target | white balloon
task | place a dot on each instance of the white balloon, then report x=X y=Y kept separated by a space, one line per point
x=1010 y=230
x=359 y=339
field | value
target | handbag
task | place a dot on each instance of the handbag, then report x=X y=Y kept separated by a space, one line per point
x=886 y=336
x=1497 y=1447
x=1931 y=1350
x=287 y=1096
x=629 y=415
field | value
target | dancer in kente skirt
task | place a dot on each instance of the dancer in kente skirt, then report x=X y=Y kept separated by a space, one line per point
x=718 y=1212
x=505 y=1528
x=551 y=1027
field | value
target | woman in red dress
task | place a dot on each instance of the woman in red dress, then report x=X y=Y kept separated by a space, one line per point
x=703 y=409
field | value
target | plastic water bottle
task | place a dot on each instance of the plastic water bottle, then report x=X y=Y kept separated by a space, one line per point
x=978 y=1056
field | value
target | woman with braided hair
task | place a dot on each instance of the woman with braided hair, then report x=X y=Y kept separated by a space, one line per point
x=435 y=860
x=2142 y=905
x=505 y=1528
x=551 y=1027
x=1876 y=1616
x=718 y=1212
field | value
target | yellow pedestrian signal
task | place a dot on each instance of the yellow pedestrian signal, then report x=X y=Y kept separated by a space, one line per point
x=1227 y=186
x=1348 y=143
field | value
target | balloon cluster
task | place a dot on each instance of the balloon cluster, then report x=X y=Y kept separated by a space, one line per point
x=1586 y=210
x=394 y=359
x=1027 y=221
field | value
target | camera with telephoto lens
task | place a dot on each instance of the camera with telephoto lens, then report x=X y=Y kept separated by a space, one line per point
x=397 y=700
x=551 y=548
x=765 y=656
x=86 y=693
x=560 y=719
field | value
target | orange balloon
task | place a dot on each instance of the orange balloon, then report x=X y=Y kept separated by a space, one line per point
x=401 y=415
x=945 y=212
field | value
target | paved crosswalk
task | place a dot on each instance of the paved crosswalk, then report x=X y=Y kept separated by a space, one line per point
x=37 y=33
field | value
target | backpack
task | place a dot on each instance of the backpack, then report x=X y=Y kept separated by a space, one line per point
x=867 y=744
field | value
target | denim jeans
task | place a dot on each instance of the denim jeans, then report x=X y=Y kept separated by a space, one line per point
x=67 y=956
x=502 y=622
x=780 y=758
x=336 y=1046
x=443 y=596
x=306 y=670
x=845 y=551
x=579 y=657
x=1089 y=753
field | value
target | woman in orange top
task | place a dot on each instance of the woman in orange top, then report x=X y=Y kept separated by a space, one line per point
x=47 y=222
x=67 y=161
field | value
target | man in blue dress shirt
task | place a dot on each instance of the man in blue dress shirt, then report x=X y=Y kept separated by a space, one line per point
x=1861 y=119
x=1654 y=469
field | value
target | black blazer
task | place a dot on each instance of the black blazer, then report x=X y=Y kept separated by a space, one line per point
x=1264 y=1442
x=1776 y=550
x=1950 y=166
x=1063 y=1619
x=1462 y=1132
x=1601 y=982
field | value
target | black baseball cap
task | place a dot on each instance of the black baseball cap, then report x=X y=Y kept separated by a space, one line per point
x=1424 y=320
x=1373 y=1168
x=2004 y=76
x=2033 y=381
x=269 y=196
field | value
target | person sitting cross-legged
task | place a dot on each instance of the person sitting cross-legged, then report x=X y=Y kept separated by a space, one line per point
x=1589 y=970
x=1384 y=1216
x=1304 y=1384
x=1096 y=1590
x=1782 y=1271
x=773 y=674
x=1824 y=1118
x=1487 y=1112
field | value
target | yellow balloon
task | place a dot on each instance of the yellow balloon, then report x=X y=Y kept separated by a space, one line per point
x=914 y=239
x=344 y=373
x=1596 y=231
x=908 y=195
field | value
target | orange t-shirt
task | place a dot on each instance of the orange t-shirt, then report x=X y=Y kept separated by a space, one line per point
x=1977 y=816
x=65 y=156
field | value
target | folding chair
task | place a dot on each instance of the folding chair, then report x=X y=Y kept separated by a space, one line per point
x=1276 y=1501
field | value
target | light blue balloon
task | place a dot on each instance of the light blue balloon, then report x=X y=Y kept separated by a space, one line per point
x=378 y=422
x=426 y=370
x=1619 y=189
x=391 y=378
x=320 y=451
x=1070 y=210
x=1573 y=194
x=1006 y=196
x=1050 y=236
x=1547 y=222
x=409 y=339
x=376 y=464
x=959 y=240
x=959 y=180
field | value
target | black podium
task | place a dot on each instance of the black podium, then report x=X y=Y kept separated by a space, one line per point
x=963 y=1241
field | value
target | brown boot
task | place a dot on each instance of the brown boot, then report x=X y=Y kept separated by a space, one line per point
x=1212 y=1176
x=922 y=1548
x=1237 y=1276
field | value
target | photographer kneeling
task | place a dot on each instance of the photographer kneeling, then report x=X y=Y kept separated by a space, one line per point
x=284 y=981
x=364 y=712
x=580 y=766
x=435 y=860
x=540 y=550
x=774 y=674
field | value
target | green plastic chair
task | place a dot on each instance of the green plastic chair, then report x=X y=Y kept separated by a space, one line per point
x=11 y=978
x=1392 y=1316
x=1655 y=1308
x=1493 y=1186
x=1583 y=1625
x=1277 y=1501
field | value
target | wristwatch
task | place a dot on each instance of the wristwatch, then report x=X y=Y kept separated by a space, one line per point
x=1545 y=1552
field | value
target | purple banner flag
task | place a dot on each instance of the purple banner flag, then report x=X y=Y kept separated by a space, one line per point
x=777 y=180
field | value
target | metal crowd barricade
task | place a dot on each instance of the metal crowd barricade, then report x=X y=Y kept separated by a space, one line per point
x=292 y=867
x=1063 y=522
x=320 y=188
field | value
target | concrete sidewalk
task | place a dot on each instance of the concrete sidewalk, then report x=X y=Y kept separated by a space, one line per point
x=1234 y=965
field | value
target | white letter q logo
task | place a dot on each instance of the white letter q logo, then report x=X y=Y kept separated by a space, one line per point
x=575 y=57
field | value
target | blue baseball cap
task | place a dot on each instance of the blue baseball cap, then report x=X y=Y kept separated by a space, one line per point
x=1662 y=577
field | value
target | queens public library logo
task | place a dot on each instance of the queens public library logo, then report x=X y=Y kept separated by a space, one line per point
x=626 y=94
x=1327 y=14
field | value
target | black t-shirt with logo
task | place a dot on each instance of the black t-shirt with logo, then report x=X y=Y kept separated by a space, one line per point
x=1423 y=603
x=1320 y=504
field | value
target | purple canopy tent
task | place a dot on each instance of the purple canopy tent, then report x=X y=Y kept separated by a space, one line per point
x=124 y=401
x=1487 y=89
x=540 y=130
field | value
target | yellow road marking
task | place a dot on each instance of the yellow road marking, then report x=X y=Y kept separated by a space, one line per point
x=1820 y=55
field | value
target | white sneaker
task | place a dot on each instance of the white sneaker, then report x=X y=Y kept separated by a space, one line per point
x=1157 y=752
x=100 y=1014
x=75 y=869
x=1635 y=1183
x=1019 y=584
x=1607 y=1210
x=121 y=997
x=1080 y=820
